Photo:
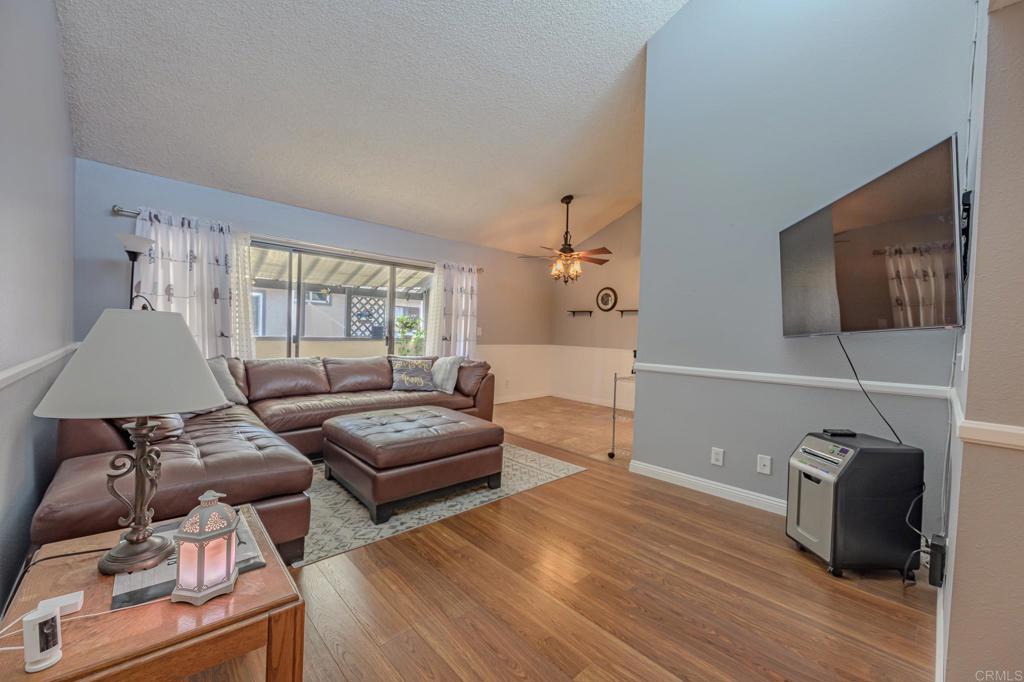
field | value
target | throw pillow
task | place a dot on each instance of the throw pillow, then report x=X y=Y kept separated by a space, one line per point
x=471 y=375
x=445 y=373
x=411 y=375
x=226 y=381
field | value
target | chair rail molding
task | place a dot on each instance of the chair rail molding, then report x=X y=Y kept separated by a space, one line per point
x=887 y=387
x=1005 y=436
x=20 y=371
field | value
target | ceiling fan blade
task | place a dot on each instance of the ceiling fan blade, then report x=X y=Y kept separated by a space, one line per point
x=548 y=248
x=537 y=257
x=595 y=261
x=595 y=252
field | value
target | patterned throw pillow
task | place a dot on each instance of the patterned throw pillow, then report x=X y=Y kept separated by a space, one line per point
x=411 y=374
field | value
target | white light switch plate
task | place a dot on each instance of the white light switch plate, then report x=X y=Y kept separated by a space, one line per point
x=718 y=457
x=764 y=465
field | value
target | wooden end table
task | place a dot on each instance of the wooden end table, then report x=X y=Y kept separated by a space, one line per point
x=161 y=640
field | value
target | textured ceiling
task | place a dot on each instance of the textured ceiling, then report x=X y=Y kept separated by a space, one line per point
x=467 y=120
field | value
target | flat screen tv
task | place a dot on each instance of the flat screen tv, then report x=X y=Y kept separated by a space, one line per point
x=885 y=256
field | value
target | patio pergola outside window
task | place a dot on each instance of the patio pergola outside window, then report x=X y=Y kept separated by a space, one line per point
x=351 y=307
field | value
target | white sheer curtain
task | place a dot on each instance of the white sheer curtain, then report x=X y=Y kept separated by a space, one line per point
x=188 y=271
x=243 y=344
x=922 y=281
x=451 y=320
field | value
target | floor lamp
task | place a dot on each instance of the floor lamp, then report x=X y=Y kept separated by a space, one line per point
x=133 y=246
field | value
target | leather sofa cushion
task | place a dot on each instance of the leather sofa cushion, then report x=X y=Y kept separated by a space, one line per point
x=391 y=438
x=77 y=437
x=471 y=373
x=358 y=374
x=229 y=451
x=301 y=412
x=279 y=377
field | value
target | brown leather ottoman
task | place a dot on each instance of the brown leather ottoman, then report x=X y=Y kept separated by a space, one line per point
x=389 y=456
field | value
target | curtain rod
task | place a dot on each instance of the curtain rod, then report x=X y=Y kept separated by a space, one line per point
x=128 y=213
x=124 y=212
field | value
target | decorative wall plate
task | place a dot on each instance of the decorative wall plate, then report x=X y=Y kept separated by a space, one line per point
x=607 y=299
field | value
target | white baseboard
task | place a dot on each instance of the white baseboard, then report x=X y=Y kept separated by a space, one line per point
x=513 y=397
x=704 y=485
x=582 y=398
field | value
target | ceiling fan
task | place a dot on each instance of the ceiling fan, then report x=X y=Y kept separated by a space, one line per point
x=567 y=261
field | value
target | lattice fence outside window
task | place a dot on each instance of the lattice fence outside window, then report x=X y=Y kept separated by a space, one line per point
x=369 y=314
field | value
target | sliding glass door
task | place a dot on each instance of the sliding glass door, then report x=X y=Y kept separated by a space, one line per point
x=273 y=300
x=411 y=297
x=308 y=303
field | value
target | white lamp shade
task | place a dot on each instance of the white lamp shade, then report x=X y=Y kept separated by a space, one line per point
x=133 y=363
x=135 y=243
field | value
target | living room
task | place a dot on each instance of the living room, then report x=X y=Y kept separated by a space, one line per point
x=335 y=365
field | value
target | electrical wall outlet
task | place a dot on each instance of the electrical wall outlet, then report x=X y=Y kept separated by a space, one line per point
x=718 y=457
x=764 y=465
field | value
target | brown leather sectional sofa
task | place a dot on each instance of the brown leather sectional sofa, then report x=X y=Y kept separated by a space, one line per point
x=254 y=453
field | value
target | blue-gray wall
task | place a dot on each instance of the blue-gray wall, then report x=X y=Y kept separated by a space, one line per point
x=514 y=299
x=36 y=212
x=757 y=115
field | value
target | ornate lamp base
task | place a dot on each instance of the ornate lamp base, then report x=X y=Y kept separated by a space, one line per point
x=126 y=557
x=139 y=549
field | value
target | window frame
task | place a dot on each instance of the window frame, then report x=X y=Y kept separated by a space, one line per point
x=261 y=309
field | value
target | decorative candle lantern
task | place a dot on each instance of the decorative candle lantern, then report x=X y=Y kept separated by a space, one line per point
x=206 y=544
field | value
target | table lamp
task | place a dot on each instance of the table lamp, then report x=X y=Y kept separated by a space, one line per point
x=134 y=363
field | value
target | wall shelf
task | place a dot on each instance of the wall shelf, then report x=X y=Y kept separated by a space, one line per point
x=631 y=311
x=588 y=313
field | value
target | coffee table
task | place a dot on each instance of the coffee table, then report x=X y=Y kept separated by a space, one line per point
x=161 y=640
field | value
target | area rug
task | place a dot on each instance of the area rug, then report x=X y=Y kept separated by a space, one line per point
x=339 y=522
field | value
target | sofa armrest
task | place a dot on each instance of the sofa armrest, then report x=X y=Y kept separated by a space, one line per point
x=483 y=401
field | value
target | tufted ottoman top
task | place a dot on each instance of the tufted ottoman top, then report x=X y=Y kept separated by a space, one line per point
x=385 y=439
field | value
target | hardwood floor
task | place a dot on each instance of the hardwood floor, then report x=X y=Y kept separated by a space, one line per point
x=582 y=428
x=602 y=576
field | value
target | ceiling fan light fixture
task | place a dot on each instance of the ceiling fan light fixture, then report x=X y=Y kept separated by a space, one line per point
x=566 y=268
x=567 y=263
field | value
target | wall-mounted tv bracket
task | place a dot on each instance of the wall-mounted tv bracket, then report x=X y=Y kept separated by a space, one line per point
x=966 y=200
